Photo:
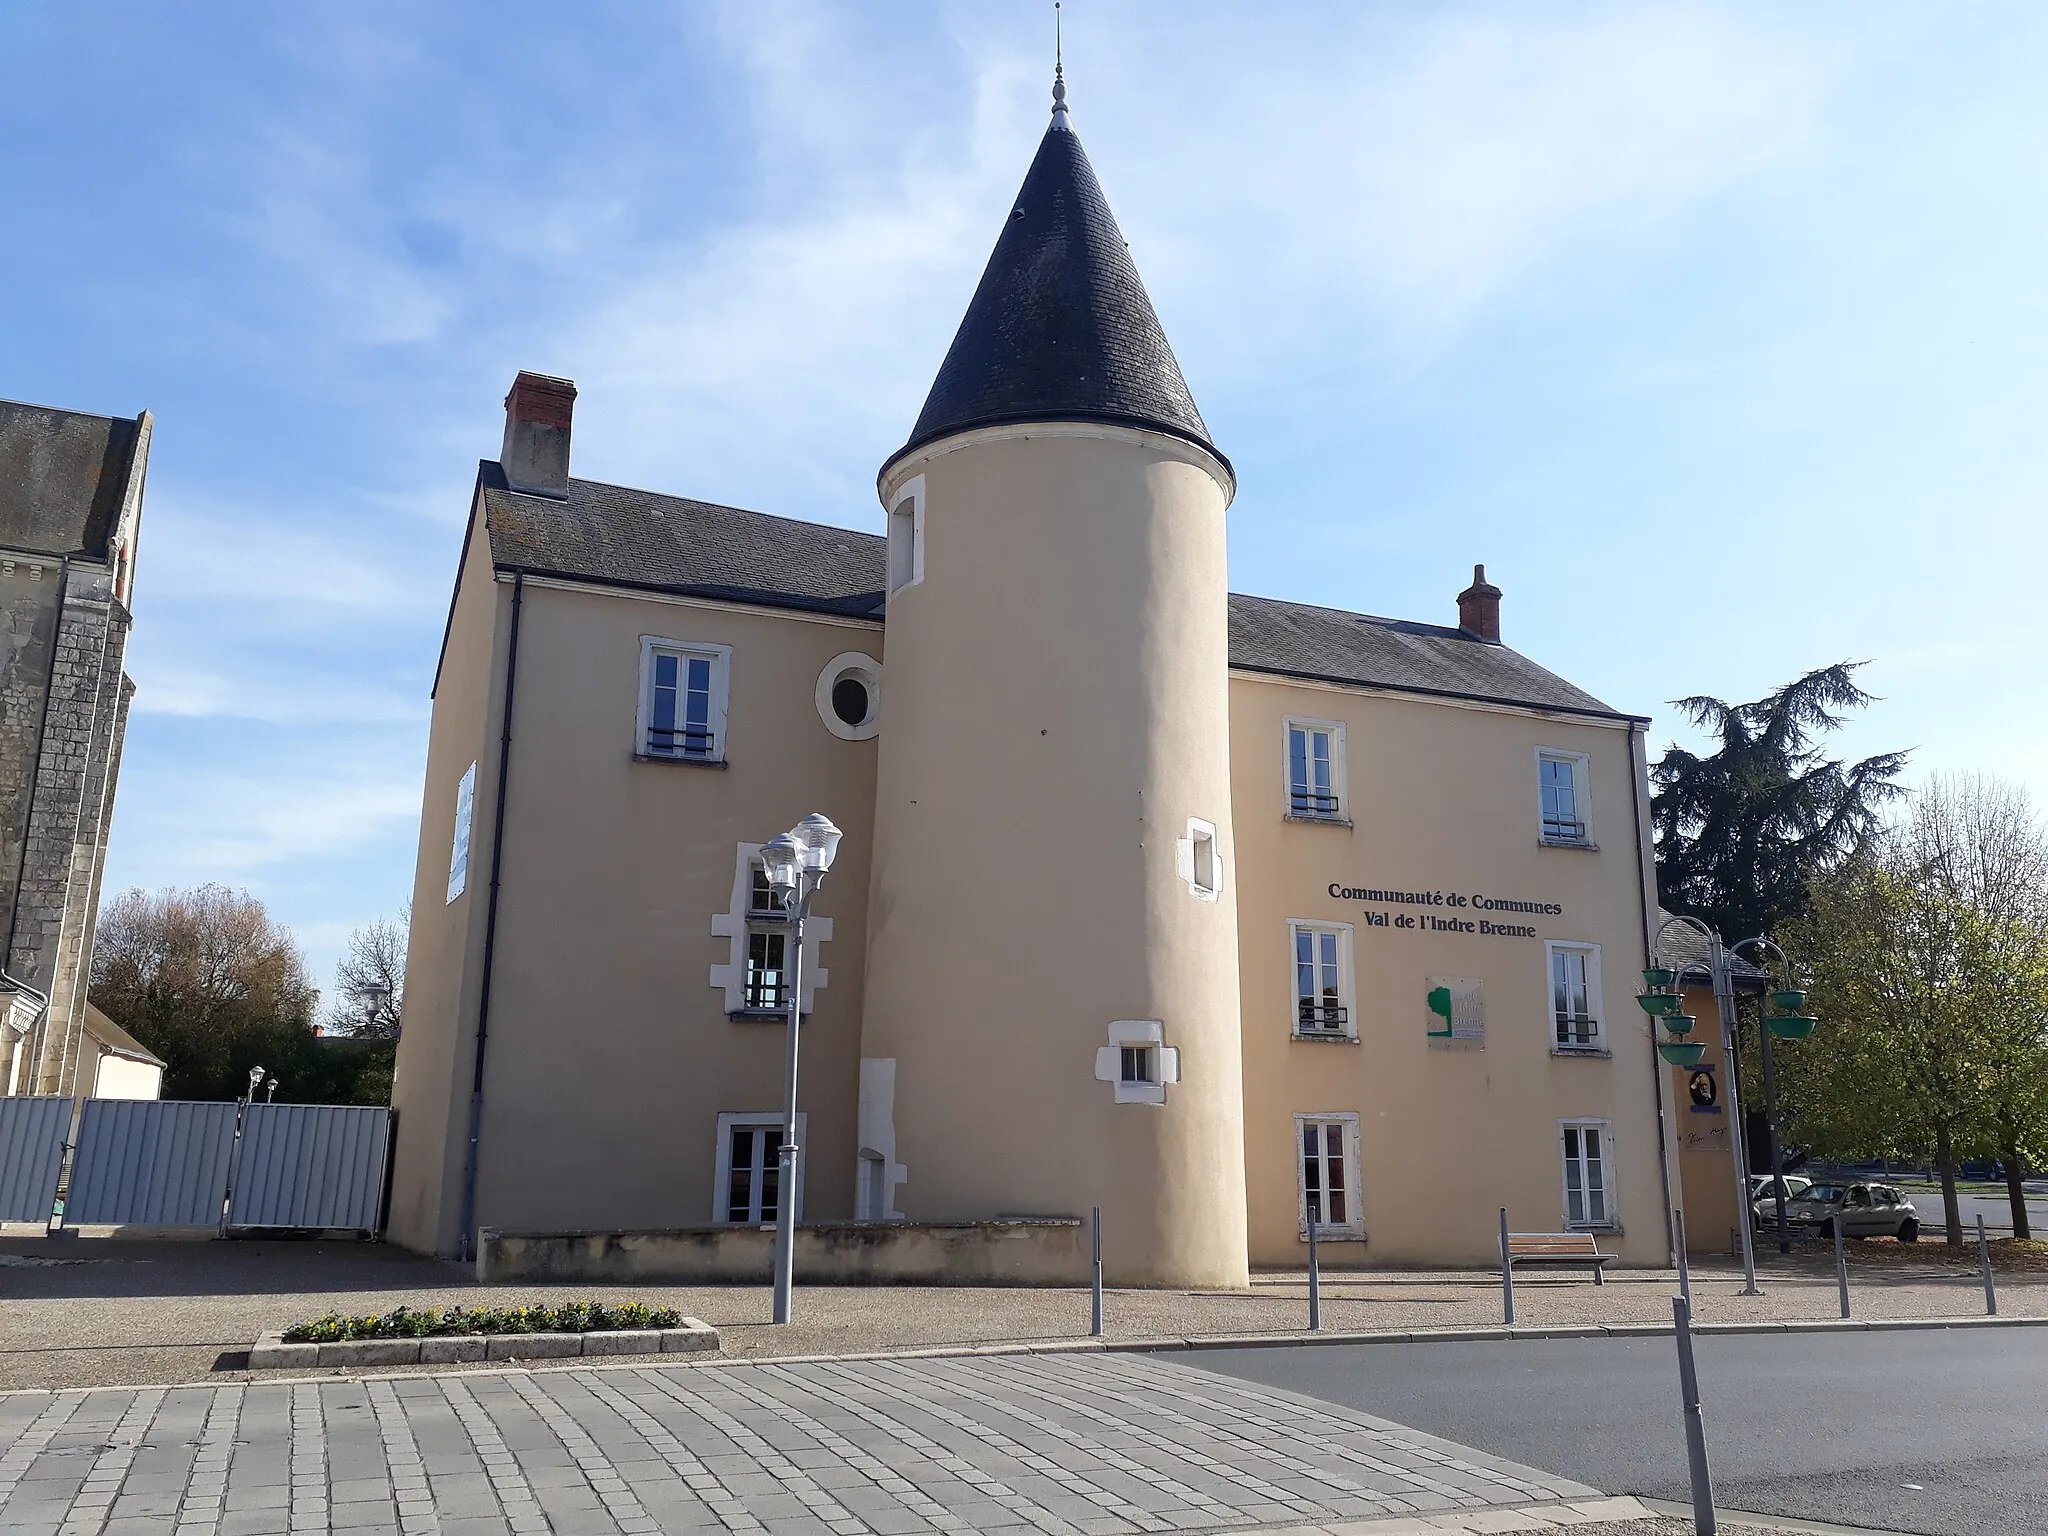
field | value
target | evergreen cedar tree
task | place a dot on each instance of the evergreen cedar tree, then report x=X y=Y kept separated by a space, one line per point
x=1742 y=832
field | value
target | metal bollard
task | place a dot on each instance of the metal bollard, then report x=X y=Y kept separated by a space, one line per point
x=1984 y=1258
x=1684 y=1266
x=1507 y=1273
x=1095 y=1312
x=1841 y=1266
x=1695 y=1421
x=1315 y=1276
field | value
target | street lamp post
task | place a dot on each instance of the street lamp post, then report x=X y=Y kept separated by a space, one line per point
x=796 y=862
x=1721 y=973
x=1782 y=1018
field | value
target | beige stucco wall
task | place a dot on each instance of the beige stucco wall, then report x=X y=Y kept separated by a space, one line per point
x=1442 y=797
x=1057 y=711
x=430 y=1085
x=610 y=1054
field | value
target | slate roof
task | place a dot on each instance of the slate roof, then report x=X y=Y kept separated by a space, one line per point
x=619 y=537
x=1061 y=328
x=63 y=475
x=629 y=538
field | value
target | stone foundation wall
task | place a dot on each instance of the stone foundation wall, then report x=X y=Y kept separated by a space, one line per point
x=1052 y=1251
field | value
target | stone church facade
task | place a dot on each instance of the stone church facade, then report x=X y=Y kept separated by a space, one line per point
x=71 y=489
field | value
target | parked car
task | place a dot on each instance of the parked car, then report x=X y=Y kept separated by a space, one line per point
x=1762 y=1202
x=1861 y=1210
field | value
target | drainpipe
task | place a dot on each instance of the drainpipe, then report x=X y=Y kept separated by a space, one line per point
x=1639 y=765
x=467 y=1237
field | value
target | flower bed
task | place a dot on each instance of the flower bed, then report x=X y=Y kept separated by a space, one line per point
x=436 y=1322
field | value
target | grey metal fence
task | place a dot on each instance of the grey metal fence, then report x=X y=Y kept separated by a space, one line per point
x=310 y=1165
x=151 y=1163
x=32 y=1132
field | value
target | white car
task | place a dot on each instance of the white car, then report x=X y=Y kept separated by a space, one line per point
x=1764 y=1207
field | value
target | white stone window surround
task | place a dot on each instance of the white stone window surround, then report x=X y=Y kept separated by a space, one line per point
x=720 y=657
x=1347 y=978
x=1143 y=1034
x=1596 y=1045
x=1580 y=764
x=721 y=1178
x=733 y=925
x=1352 y=1228
x=1588 y=1163
x=1198 y=859
x=906 y=535
x=1339 y=812
x=877 y=1132
x=868 y=671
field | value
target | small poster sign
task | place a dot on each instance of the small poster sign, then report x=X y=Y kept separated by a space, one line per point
x=1456 y=1010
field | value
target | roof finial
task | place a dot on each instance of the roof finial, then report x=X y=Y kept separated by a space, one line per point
x=1059 y=74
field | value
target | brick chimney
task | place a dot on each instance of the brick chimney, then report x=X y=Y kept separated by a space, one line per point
x=535 y=457
x=1479 y=608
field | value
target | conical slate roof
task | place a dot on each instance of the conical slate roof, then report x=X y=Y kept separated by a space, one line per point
x=1060 y=328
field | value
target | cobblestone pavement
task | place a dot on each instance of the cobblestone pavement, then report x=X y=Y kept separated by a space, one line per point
x=1064 y=1444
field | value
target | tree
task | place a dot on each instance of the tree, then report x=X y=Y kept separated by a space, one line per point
x=1928 y=954
x=210 y=983
x=1742 y=833
x=370 y=981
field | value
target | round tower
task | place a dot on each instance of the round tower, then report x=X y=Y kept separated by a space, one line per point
x=1051 y=1014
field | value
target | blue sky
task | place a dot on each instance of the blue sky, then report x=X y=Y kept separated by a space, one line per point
x=1716 y=331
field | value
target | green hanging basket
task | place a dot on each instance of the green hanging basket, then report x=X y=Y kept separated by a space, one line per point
x=1654 y=1003
x=1788 y=999
x=1680 y=1023
x=1792 y=1026
x=1660 y=978
x=1681 y=1053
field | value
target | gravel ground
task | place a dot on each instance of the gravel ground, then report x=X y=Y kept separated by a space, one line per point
x=94 y=1312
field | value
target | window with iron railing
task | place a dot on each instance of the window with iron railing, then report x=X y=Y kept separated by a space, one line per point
x=1322 y=989
x=1575 y=997
x=682 y=701
x=1561 y=792
x=1314 y=771
x=767 y=984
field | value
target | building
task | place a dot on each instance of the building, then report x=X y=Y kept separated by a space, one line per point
x=114 y=1064
x=1197 y=907
x=70 y=512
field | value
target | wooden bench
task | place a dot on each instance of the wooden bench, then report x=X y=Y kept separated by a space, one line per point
x=1576 y=1248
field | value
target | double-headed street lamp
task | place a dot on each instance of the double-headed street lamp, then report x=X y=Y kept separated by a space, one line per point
x=1662 y=999
x=795 y=862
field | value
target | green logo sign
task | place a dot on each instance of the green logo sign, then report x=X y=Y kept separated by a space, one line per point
x=1440 y=1005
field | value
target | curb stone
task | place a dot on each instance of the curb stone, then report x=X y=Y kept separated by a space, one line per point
x=272 y=1353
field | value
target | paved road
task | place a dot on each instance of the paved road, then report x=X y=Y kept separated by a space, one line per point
x=1068 y=1445
x=1822 y=1427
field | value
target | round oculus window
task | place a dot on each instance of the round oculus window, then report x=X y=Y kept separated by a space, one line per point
x=849 y=696
x=850 y=700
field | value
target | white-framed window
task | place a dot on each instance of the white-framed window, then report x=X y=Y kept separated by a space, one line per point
x=755 y=973
x=763 y=900
x=1575 y=1011
x=906 y=536
x=1562 y=804
x=747 y=1182
x=1201 y=860
x=767 y=985
x=683 y=688
x=1588 y=1175
x=1315 y=770
x=1138 y=1062
x=1323 y=992
x=1326 y=1174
